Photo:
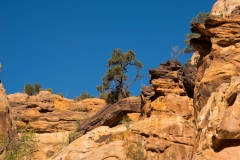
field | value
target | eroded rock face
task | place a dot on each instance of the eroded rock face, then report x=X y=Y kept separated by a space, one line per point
x=161 y=122
x=98 y=144
x=111 y=115
x=225 y=7
x=216 y=94
x=8 y=132
x=48 y=113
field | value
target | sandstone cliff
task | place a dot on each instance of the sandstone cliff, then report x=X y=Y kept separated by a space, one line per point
x=8 y=132
x=53 y=119
x=216 y=94
x=165 y=128
x=189 y=112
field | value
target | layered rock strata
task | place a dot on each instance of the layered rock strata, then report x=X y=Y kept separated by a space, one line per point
x=165 y=129
x=48 y=113
x=216 y=96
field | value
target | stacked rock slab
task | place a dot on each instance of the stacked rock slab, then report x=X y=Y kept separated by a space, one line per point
x=216 y=96
x=8 y=130
x=48 y=113
x=170 y=123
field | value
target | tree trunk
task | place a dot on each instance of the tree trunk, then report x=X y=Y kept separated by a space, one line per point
x=123 y=90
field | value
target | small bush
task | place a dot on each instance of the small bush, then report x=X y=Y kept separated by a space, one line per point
x=29 y=89
x=50 y=90
x=37 y=88
x=200 y=18
x=83 y=95
x=73 y=135
x=32 y=89
x=189 y=48
x=60 y=94
x=24 y=146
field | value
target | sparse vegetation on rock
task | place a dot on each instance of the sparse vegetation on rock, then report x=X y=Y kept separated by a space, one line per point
x=24 y=146
x=83 y=95
x=200 y=18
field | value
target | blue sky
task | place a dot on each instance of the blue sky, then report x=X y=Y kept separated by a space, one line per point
x=65 y=45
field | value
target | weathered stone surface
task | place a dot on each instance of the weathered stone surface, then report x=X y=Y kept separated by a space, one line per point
x=47 y=113
x=221 y=61
x=111 y=115
x=218 y=123
x=225 y=7
x=171 y=77
x=8 y=132
x=216 y=94
x=98 y=144
x=49 y=144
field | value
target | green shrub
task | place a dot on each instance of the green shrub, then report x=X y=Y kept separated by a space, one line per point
x=189 y=48
x=37 y=88
x=50 y=90
x=29 y=89
x=60 y=94
x=73 y=135
x=83 y=95
x=32 y=89
x=24 y=146
x=200 y=18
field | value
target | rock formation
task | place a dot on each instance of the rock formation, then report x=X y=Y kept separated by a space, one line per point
x=189 y=112
x=225 y=8
x=217 y=88
x=165 y=129
x=8 y=132
x=54 y=119
x=48 y=113
x=111 y=115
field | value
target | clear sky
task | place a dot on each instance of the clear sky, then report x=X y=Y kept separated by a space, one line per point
x=65 y=45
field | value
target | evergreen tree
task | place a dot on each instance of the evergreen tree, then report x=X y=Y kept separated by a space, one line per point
x=114 y=85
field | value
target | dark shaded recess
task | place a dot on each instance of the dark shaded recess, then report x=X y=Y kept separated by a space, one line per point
x=32 y=106
x=231 y=99
x=44 y=111
x=189 y=75
x=202 y=45
x=226 y=143
x=155 y=96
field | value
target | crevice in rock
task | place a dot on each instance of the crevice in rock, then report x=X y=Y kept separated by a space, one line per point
x=227 y=143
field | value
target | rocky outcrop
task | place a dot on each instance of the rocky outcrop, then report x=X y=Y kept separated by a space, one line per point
x=217 y=89
x=48 y=113
x=8 y=132
x=225 y=7
x=111 y=115
x=101 y=143
x=165 y=128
